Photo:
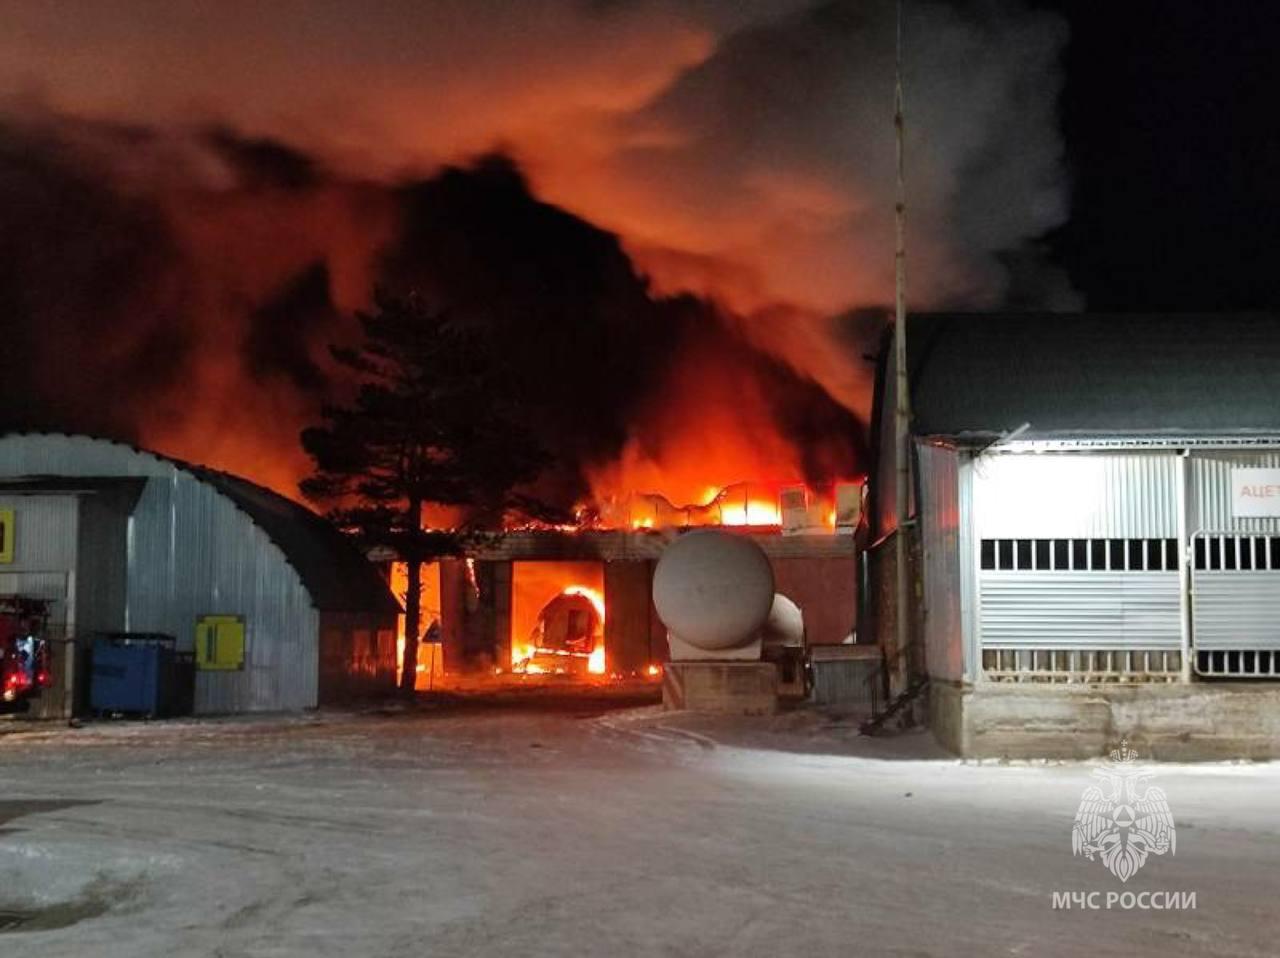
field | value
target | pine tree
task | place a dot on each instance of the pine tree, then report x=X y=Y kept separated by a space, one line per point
x=431 y=422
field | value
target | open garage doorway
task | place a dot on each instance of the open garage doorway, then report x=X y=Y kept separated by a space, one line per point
x=557 y=618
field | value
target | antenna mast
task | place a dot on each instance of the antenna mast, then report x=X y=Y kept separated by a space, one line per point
x=902 y=406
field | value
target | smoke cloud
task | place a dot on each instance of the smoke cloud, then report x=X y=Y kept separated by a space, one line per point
x=194 y=198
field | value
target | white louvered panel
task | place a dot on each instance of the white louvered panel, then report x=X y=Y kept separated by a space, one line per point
x=1079 y=610
x=1236 y=610
x=1070 y=495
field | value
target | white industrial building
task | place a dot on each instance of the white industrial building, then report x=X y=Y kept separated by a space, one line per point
x=288 y=614
x=1095 y=532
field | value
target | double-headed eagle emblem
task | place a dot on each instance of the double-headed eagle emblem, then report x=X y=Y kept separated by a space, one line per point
x=1124 y=820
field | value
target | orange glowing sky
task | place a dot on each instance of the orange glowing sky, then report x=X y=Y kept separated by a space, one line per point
x=743 y=146
x=741 y=149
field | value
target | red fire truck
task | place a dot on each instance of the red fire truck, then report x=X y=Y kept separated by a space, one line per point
x=24 y=651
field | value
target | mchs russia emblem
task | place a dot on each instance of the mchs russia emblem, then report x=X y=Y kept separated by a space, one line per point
x=1124 y=820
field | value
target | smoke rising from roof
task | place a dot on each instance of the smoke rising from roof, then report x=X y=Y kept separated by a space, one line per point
x=193 y=198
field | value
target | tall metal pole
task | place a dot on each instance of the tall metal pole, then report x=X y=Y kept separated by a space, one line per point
x=902 y=407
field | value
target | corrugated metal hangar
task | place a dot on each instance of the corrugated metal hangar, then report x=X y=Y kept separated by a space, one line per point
x=1097 y=531
x=278 y=609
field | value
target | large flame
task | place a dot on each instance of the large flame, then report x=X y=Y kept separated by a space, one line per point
x=708 y=426
x=708 y=449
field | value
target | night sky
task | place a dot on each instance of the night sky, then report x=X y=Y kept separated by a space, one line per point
x=1173 y=145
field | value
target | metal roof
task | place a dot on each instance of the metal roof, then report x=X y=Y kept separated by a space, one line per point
x=336 y=576
x=1063 y=375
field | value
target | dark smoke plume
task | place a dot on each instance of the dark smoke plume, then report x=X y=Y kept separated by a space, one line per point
x=91 y=292
x=189 y=219
x=120 y=289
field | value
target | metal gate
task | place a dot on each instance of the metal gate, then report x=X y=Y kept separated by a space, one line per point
x=1078 y=566
x=1108 y=564
x=1235 y=601
x=1235 y=569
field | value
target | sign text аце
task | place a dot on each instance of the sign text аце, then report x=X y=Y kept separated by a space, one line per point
x=1255 y=493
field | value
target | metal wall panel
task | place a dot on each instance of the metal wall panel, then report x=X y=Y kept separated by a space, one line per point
x=1080 y=610
x=1209 y=491
x=45 y=552
x=1075 y=495
x=191 y=552
x=939 y=531
x=1236 y=610
x=45 y=532
x=53 y=586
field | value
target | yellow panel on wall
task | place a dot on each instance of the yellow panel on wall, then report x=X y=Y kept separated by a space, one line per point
x=220 y=643
x=6 y=535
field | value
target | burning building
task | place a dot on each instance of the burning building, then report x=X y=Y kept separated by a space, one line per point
x=664 y=412
x=577 y=601
x=672 y=248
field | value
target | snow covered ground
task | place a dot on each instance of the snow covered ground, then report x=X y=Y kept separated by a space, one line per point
x=573 y=831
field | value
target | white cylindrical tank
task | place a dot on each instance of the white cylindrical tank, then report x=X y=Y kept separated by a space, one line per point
x=713 y=590
x=785 y=625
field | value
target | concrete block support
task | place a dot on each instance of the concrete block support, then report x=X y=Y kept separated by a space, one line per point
x=738 y=688
x=1197 y=721
x=627 y=627
x=475 y=615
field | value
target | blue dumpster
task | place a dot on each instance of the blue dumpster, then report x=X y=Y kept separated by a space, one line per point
x=138 y=674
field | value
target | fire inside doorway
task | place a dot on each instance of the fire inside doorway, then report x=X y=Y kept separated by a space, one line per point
x=538 y=605
x=557 y=618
